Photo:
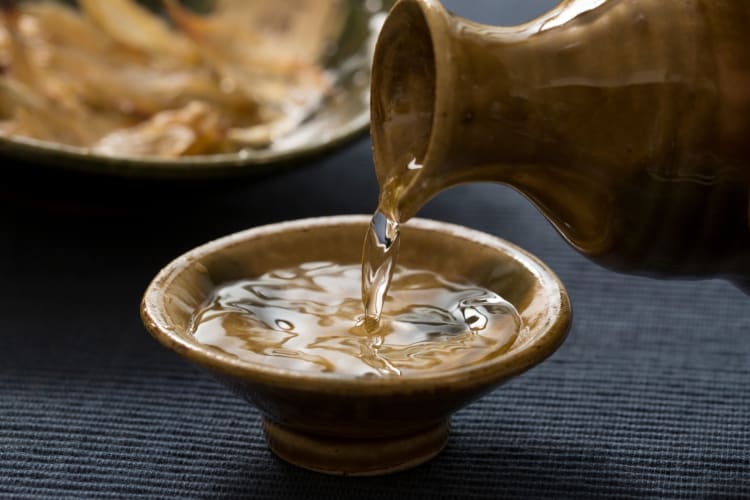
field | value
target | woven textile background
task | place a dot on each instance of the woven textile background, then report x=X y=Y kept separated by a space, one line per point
x=649 y=396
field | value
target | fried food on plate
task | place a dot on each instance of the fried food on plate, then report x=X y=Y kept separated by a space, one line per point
x=115 y=78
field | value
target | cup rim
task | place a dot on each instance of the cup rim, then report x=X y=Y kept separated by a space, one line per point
x=538 y=348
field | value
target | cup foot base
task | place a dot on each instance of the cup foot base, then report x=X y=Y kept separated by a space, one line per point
x=352 y=457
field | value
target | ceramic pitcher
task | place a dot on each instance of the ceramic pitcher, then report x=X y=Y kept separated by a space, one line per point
x=626 y=122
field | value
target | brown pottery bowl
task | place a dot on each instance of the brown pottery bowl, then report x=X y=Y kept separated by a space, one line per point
x=347 y=425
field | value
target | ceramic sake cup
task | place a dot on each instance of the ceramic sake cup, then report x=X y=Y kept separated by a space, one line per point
x=346 y=425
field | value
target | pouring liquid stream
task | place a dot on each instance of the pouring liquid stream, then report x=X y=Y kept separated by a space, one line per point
x=381 y=248
x=378 y=261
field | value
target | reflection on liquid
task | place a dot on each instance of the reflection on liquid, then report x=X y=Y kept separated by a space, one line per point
x=309 y=318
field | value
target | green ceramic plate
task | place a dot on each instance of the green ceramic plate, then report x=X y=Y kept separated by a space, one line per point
x=343 y=117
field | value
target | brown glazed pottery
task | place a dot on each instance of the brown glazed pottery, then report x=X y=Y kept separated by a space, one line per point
x=359 y=426
x=626 y=122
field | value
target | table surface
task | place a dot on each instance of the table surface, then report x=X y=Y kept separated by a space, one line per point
x=648 y=397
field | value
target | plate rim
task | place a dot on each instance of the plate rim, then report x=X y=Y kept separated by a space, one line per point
x=244 y=163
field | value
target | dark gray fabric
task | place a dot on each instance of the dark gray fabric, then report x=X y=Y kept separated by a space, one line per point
x=648 y=397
